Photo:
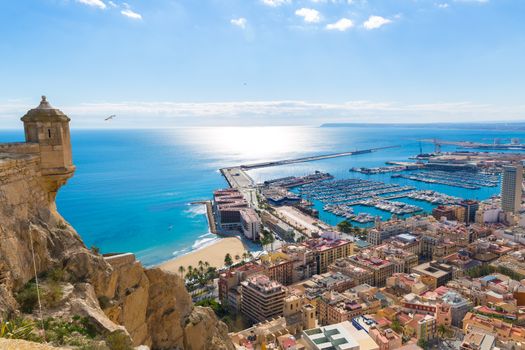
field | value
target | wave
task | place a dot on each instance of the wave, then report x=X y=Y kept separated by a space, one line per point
x=179 y=252
x=195 y=210
x=204 y=242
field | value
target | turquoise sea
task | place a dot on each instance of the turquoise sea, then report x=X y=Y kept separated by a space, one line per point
x=133 y=188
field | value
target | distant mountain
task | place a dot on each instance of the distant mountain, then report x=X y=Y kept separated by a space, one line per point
x=476 y=125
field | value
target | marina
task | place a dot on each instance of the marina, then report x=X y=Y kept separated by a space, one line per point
x=341 y=197
x=348 y=190
x=379 y=170
x=468 y=180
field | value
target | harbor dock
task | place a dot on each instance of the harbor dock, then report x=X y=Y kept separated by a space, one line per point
x=238 y=178
x=313 y=158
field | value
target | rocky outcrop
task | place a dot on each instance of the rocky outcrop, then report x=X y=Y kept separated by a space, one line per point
x=152 y=306
x=15 y=344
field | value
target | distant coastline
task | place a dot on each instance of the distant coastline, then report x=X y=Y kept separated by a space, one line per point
x=476 y=125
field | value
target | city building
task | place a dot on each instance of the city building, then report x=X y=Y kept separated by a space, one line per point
x=511 y=188
x=348 y=268
x=386 y=339
x=262 y=298
x=433 y=273
x=450 y=212
x=382 y=269
x=279 y=227
x=503 y=331
x=470 y=208
x=278 y=266
x=341 y=336
x=384 y=230
x=407 y=242
x=335 y=281
x=303 y=260
x=426 y=328
x=403 y=283
x=250 y=224
x=489 y=213
x=327 y=251
x=478 y=341
x=459 y=306
x=228 y=204
x=230 y=281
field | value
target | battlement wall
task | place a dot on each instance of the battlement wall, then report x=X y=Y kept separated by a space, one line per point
x=18 y=167
x=20 y=148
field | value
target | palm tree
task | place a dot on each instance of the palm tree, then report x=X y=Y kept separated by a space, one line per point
x=396 y=326
x=237 y=257
x=442 y=329
x=181 y=271
x=228 y=260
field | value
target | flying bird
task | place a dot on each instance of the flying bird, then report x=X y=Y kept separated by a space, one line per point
x=110 y=117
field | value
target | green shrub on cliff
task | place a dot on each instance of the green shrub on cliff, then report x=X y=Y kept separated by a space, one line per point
x=76 y=331
x=118 y=341
x=27 y=298
x=17 y=328
x=57 y=275
x=50 y=295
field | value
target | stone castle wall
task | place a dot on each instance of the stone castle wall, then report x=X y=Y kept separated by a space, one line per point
x=20 y=148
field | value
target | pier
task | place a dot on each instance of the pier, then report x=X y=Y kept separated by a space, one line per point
x=238 y=178
x=313 y=158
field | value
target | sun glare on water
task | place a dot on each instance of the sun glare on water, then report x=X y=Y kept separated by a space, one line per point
x=251 y=144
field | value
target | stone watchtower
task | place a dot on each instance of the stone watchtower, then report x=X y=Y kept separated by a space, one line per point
x=49 y=128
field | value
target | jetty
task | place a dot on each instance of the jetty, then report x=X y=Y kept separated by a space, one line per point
x=238 y=178
x=313 y=158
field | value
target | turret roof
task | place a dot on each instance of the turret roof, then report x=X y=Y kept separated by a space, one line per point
x=44 y=112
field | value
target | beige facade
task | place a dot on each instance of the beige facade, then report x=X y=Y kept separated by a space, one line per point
x=262 y=298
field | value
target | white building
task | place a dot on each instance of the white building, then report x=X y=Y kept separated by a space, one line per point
x=250 y=223
x=511 y=188
x=340 y=336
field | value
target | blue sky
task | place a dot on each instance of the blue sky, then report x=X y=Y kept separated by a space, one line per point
x=256 y=62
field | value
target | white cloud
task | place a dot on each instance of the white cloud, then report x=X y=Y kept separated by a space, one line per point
x=94 y=3
x=443 y=5
x=239 y=22
x=342 y=25
x=128 y=12
x=112 y=4
x=275 y=3
x=309 y=15
x=375 y=22
x=137 y=114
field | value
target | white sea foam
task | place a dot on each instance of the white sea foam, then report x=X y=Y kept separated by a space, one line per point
x=179 y=252
x=204 y=242
x=195 y=210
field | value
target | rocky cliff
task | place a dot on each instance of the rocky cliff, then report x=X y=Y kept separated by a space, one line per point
x=149 y=305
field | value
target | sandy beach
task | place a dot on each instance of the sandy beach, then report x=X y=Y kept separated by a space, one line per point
x=213 y=254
